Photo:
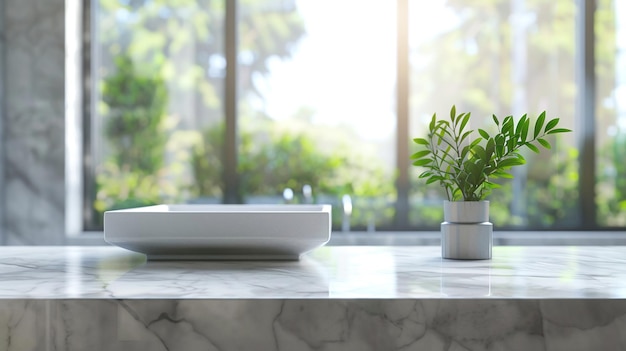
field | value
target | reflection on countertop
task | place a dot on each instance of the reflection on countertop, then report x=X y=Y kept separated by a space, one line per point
x=332 y=272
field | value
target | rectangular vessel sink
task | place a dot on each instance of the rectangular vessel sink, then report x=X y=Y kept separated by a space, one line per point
x=193 y=232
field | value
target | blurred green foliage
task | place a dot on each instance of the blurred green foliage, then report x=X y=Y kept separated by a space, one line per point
x=134 y=127
x=265 y=167
x=472 y=63
x=136 y=111
x=271 y=161
x=156 y=52
x=153 y=155
x=612 y=186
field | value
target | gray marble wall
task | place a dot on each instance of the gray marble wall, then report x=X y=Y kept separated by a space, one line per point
x=32 y=122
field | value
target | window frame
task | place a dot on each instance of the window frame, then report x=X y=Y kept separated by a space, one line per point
x=80 y=127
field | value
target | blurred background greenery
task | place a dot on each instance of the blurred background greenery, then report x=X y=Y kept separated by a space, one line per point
x=159 y=87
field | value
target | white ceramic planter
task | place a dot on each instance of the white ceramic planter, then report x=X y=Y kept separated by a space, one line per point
x=466 y=233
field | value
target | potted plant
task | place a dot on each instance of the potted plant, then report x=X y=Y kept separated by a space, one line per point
x=465 y=165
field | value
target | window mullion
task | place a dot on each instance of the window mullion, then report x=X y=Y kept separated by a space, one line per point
x=402 y=116
x=585 y=66
x=90 y=38
x=230 y=105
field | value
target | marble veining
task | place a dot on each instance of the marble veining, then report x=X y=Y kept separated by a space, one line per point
x=33 y=126
x=330 y=272
x=336 y=298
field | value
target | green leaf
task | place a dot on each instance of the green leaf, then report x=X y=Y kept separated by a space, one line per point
x=422 y=162
x=502 y=174
x=491 y=147
x=511 y=143
x=559 y=130
x=433 y=179
x=453 y=113
x=425 y=174
x=499 y=145
x=539 y=124
x=480 y=152
x=464 y=151
x=483 y=134
x=520 y=125
x=465 y=135
x=431 y=126
x=495 y=119
x=507 y=126
x=545 y=143
x=420 y=141
x=506 y=120
x=551 y=125
x=471 y=168
x=510 y=162
x=456 y=194
x=492 y=185
x=420 y=154
x=474 y=143
x=524 y=134
x=446 y=152
x=464 y=122
x=442 y=138
x=443 y=129
x=532 y=147
x=447 y=161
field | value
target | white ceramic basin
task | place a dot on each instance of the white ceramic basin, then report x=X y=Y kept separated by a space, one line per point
x=220 y=231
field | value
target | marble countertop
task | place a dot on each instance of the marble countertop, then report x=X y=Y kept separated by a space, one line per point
x=339 y=272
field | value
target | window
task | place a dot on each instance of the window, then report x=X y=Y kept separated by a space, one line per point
x=610 y=134
x=511 y=57
x=327 y=95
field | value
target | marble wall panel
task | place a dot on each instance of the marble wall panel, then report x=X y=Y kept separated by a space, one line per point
x=33 y=141
x=24 y=325
x=2 y=114
x=268 y=324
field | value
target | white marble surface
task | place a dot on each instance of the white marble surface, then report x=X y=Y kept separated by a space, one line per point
x=329 y=272
x=337 y=298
